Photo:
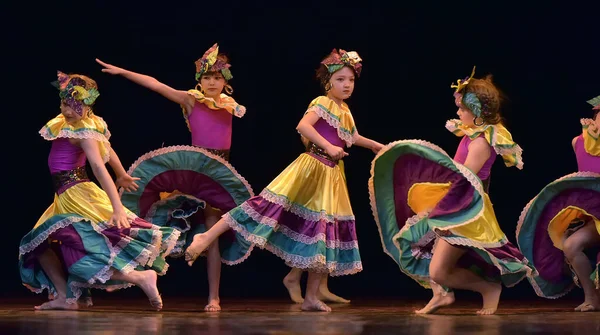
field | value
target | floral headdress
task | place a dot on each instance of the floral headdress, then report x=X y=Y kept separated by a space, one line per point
x=76 y=91
x=470 y=99
x=210 y=62
x=595 y=102
x=338 y=59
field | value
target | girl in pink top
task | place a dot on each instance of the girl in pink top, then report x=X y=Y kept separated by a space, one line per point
x=560 y=227
x=190 y=187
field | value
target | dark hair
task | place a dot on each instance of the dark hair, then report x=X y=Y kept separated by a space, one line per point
x=596 y=111
x=489 y=96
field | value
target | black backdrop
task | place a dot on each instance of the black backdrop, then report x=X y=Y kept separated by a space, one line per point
x=545 y=59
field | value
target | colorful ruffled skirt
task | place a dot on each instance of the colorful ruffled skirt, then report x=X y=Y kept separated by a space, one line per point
x=75 y=227
x=556 y=212
x=419 y=194
x=304 y=217
x=176 y=183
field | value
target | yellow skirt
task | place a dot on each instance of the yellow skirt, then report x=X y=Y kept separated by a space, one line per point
x=85 y=199
x=312 y=186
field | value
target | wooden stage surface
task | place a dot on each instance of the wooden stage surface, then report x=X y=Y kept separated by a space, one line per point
x=185 y=316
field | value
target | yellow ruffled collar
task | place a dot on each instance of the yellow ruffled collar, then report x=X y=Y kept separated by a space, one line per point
x=227 y=103
x=591 y=137
x=496 y=135
x=336 y=116
x=90 y=127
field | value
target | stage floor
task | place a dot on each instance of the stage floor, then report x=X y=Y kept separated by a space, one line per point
x=185 y=316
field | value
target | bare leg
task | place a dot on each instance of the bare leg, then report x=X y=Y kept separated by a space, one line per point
x=53 y=269
x=586 y=237
x=292 y=283
x=202 y=241
x=213 y=263
x=146 y=280
x=311 y=302
x=443 y=271
x=325 y=295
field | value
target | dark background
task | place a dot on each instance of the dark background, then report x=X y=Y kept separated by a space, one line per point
x=544 y=58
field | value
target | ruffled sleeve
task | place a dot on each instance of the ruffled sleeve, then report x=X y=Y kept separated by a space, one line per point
x=338 y=117
x=496 y=135
x=591 y=137
x=227 y=103
x=91 y=127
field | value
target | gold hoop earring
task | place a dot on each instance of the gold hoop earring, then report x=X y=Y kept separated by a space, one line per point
x=199 y=88
x=328 y=87
x=228 y=89
x=475 y=121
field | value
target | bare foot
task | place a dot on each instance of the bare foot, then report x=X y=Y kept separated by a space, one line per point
x=293 y=287
x=214 y=305
x=491 y=298
x=325 y=295
x=198 y=245
x=588 y=306
x=85 y=302
x=316 y=305
x=147 y=282
x=438 y=301
x=56 y=304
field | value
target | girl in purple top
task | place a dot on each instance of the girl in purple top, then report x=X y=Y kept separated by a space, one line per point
x=560 y=227
x=87 y=230
x=190 y=187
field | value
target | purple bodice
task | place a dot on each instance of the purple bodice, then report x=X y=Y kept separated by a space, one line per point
x=585 y=161
x=463 y=151
x=210 y=128
x=329 y=133
x=65 y=156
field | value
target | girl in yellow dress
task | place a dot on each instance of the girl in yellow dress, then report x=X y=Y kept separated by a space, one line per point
x=87 y=230
x=433 y=212
x=304 y=215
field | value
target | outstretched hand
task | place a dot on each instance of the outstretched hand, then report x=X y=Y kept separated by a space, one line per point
x=108 y=68
x=127 y=182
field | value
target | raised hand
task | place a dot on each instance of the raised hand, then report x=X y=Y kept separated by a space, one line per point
x=108 y=68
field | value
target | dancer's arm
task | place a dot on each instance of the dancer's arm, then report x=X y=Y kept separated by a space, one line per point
x=92 y=152
x=180 y=97
x=479 y=153
x=123 y=179
x=368 y=143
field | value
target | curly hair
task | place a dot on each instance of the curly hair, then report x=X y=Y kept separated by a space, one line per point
x=489 y=96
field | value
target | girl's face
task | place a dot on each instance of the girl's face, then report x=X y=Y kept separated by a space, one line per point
x=342 y=84
x=71 y=116
x=212 y=84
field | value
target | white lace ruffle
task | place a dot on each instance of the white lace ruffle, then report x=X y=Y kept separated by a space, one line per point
x=303 y=212
x=317 y=263
x=348 y=138
x=162 y=151
x=305 y=239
